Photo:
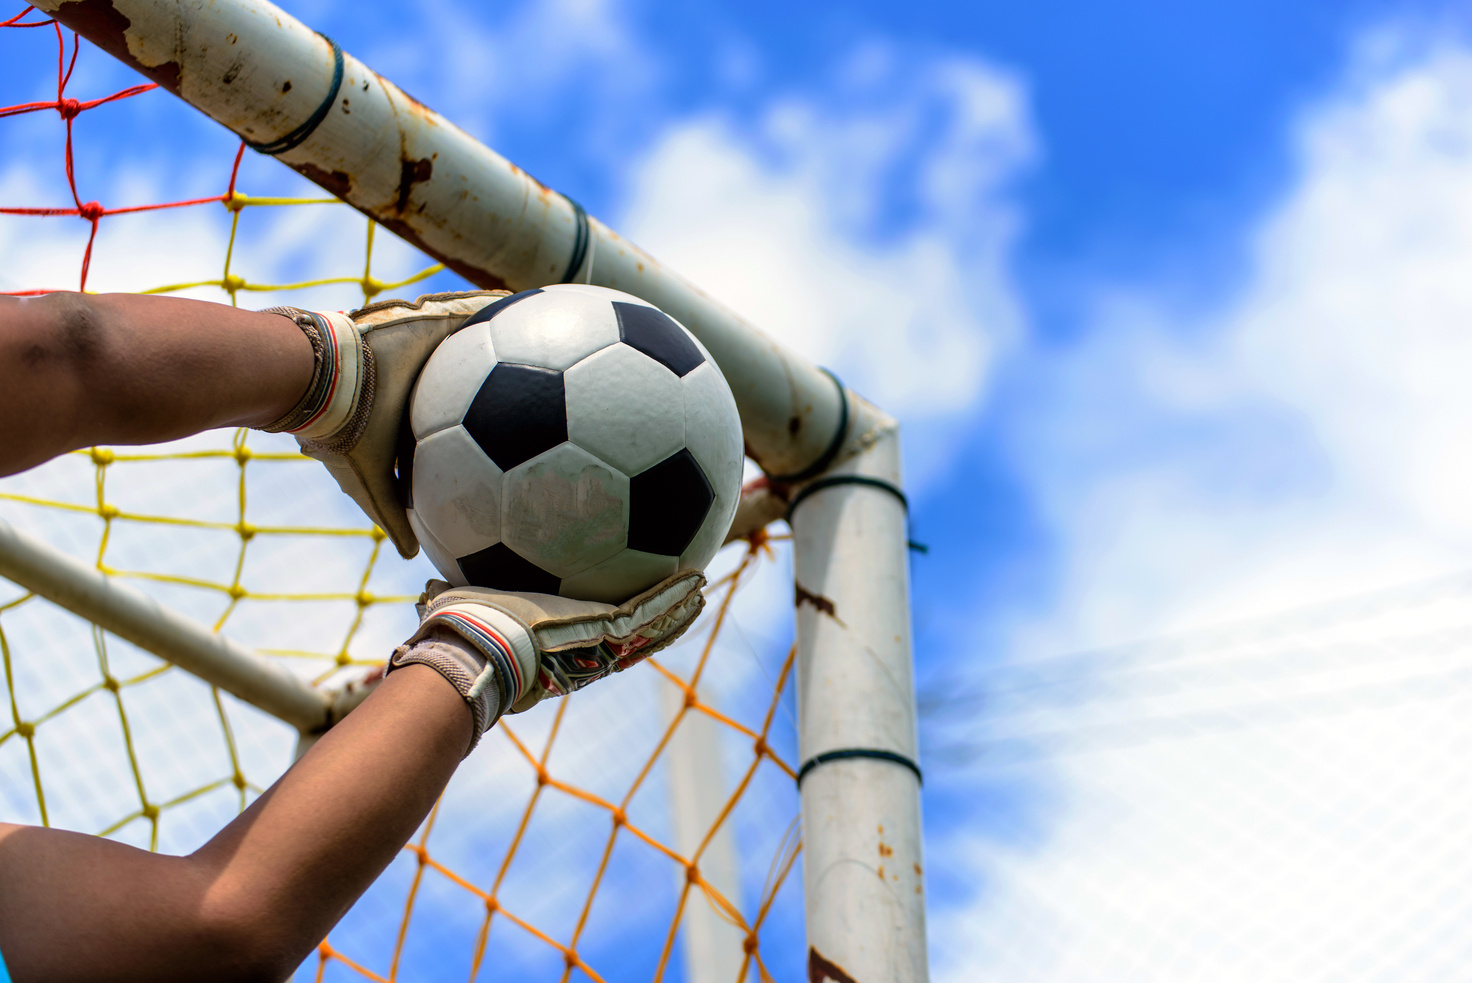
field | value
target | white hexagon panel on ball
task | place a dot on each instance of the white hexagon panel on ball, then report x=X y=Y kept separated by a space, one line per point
x=565 y=510
x=619 y=404
x=554 y=327
x=717 y=448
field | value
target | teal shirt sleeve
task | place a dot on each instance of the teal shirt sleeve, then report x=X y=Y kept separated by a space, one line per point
x=4 y=973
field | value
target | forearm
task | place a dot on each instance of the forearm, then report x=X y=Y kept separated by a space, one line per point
x=295 y=862
x=79 y=369
x=253 y=901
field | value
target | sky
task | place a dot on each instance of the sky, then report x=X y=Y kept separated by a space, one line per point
x=1172 y=304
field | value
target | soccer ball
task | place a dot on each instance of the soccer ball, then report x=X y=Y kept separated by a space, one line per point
x=571 y=440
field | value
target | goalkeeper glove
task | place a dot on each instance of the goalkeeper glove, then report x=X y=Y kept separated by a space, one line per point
x=506 y=652
x=351 y=416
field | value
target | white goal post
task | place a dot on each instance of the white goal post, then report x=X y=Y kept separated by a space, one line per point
x=831 y=458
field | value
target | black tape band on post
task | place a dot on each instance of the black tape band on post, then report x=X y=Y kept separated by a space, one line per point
x=296 y=136
x=853 y=479
x=858 y=752
x=580 y=239
x=839 y=480
x=831 y=454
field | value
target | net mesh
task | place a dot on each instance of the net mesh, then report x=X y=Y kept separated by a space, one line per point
x=1276 y=798
x=570 y=842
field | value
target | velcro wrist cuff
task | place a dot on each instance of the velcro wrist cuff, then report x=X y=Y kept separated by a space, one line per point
x=502 y=639
x=464 y=668
x=333 y=395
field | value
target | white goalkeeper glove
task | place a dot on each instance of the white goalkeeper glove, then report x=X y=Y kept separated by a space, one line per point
x=351 y=416
x=525 y=648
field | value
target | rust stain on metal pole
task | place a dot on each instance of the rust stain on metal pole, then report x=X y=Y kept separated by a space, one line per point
x=105 y=26
x=820 y=603
x=411 y=172
x=337 y=182
x=821 y=969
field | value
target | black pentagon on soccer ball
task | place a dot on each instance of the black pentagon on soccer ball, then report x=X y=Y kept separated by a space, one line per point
x=667 y=504
x=657 y=335
x=520 y=411
x=404 y=462
x=503 y=568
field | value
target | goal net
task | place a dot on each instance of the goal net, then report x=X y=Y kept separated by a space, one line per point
x=645 y=828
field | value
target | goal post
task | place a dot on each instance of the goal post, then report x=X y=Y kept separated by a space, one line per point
x=831 y=459
x=863 y=874
x=129 y=613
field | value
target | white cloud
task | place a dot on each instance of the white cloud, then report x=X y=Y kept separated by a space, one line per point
x=815 y=228
x=1282 y=801
x=1360 y=318
x=490 y=64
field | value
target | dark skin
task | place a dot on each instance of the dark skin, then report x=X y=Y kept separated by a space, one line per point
x=251 y=903
x=79 y=370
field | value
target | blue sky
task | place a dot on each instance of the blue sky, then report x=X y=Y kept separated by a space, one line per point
x=1167 y=297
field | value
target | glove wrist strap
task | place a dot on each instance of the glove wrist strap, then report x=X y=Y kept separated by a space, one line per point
x=343 y=370
x=503 y=640
x=465 y=668
x=486 y=654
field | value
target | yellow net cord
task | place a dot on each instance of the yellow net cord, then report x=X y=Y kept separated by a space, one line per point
x=534 y=745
